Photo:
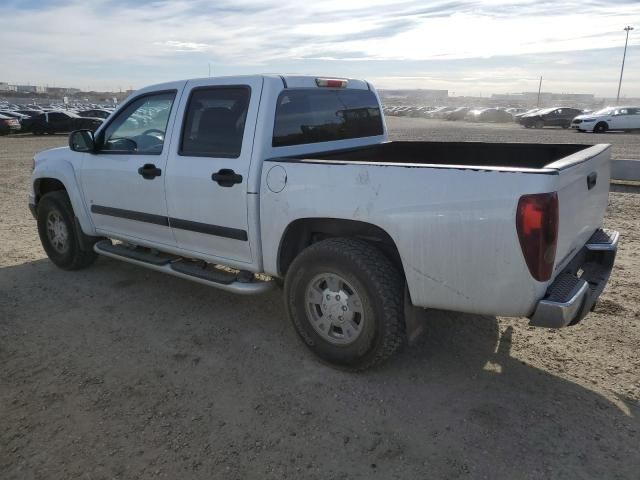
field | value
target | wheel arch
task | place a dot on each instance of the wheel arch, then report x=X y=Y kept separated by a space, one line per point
x=63 y=178
x=303 y=232
x=44 y=185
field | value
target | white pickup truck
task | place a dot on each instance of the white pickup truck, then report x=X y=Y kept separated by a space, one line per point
x=239 y=182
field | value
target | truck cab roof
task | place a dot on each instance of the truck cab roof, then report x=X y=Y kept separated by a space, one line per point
x=288 y=81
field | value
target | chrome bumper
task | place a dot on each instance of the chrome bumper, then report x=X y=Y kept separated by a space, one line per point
x=576 y=289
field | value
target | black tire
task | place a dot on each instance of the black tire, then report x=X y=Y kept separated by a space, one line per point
x=379 y=287
x=601 y=127
x=566 y=125
x=77 y=251
x=527 y=125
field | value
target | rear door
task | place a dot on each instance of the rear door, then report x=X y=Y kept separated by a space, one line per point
x=58 y=122
x=554 y=118
x=634 y=118
x=208 y=168
x=625 y=119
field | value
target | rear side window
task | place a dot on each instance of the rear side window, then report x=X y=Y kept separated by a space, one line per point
x=214 y=122
x=319 y=115
x=57 y=116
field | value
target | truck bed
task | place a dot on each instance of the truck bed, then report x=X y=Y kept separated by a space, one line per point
x=480 y=154
x=452 y=214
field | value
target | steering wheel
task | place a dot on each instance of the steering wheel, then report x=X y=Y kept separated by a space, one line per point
x=153 y=130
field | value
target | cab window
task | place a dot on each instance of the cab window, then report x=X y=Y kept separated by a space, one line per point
x=214 y=121
x=315 y=115
x=141 y=127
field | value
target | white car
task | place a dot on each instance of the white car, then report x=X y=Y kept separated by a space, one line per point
x=294 y=177
x=610 y=118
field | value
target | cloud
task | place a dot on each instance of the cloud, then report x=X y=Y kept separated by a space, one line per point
x=134 y=42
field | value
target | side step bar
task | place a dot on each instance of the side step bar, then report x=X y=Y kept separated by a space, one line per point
x=175 y=266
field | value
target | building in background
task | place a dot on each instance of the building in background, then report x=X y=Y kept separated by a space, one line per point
x=414 y=97
x=30 y=89
x=62 y=90
x=5 y=87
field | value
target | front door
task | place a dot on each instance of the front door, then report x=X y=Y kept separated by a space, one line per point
x=208 y=169
x=124 y=180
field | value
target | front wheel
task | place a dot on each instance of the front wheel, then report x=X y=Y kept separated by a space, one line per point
x=601 y=127
x=345 y=300
x=59 y=236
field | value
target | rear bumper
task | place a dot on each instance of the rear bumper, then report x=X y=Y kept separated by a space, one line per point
x=576 y=289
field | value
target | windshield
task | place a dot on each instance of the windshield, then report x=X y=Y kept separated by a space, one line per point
x=604 y=111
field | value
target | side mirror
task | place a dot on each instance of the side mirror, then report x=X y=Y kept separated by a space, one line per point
x=82 y=141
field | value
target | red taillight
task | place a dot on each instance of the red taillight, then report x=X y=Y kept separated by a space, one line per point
x=331 y=82
x=537 y=225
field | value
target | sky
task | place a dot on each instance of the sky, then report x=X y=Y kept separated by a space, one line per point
x=467 y=47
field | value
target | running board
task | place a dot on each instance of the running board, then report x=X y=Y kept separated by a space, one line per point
x=135 y=253
x=178 y=268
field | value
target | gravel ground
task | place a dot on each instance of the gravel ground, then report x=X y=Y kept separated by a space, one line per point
x=119 y=372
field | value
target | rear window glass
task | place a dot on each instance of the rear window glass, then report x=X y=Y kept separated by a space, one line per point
x=214 y=124
x=318 y=115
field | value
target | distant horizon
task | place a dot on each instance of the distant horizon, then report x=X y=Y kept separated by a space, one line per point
x=488 y=95
x=468 y=47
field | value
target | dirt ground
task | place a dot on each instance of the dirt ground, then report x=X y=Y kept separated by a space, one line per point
x=119 y=372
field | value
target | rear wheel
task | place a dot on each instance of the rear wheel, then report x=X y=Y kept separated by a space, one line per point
x=566 y=125
x=345 y=300
x=601 y=127
x=65 y=246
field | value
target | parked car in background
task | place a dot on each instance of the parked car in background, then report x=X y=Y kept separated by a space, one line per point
x=550 y=117
x=519 y=116
x=22 y=118
x=442 y=113
x=61 y=122
x=8 y=125
x=14 y=114
x=516 y=111
x=435 y=112
x=610 y=118
x=457 y=114
x=492 y=115
x=30 y=112
x=96 y=113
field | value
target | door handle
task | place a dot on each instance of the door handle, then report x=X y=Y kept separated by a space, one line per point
x=226 y=177
x=592 y=178
x=149 y=171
